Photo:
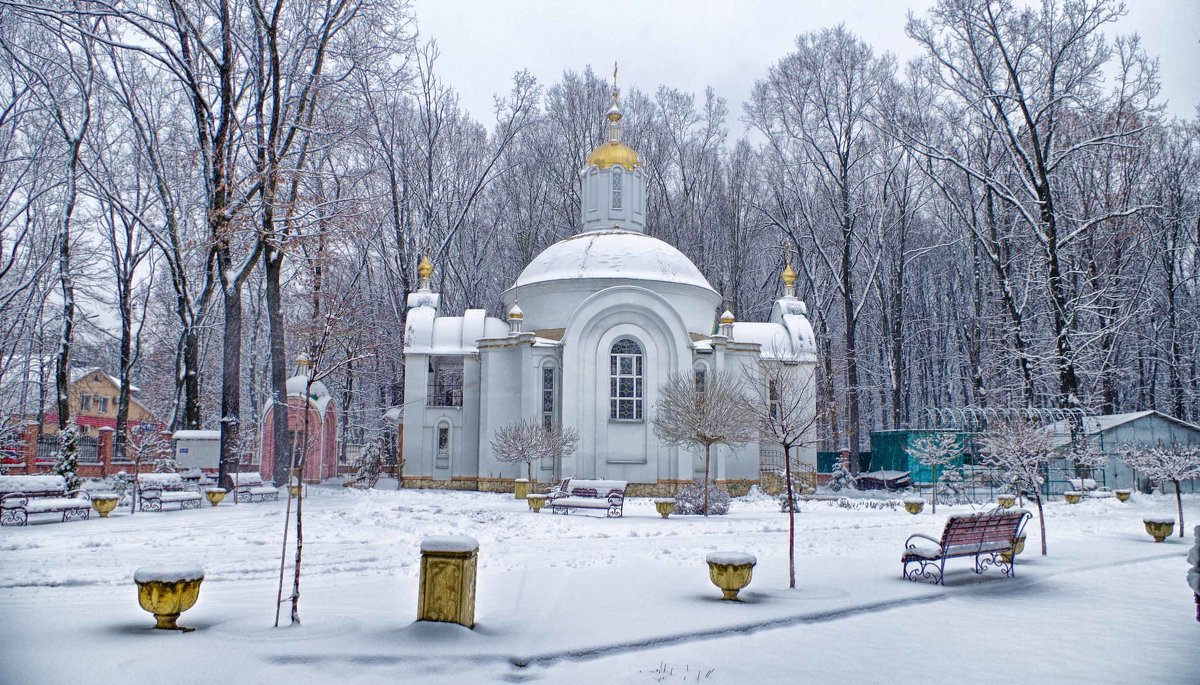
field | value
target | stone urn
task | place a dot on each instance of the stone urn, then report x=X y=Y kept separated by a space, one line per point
x=665 y=506
x=1159 y=528
x=167 y=592
x=914 y=505
x=214 y=495
x=730 y=571
x=295 y=487
x=1122 y=495
x=521 y=488
x=1006 y=501
x=1017 y=548
x=535 y=502
x=1073 y=497
x=105 y=502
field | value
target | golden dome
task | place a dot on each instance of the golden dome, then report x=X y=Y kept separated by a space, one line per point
x=614 y=152
x=727 y=317
x=788 y=276
x=425 y=267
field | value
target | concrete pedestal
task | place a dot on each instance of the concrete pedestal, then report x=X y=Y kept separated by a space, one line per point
x=447 y=591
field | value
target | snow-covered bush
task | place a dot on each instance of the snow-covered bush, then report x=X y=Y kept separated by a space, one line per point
x=370 y=463
x=690 y=500
x=66 y=463
x=952 y=486
x=1194 y=560
x=841 y=478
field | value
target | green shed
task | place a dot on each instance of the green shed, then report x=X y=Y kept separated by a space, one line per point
x=890 y=451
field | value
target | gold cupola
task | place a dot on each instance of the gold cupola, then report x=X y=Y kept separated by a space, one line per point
x=425 y=267
x=612 y=185
x=789 y=279
x=613 y=151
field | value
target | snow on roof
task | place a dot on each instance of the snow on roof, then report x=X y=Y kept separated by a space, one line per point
x=612 y=254
x=778 y=340
x=196 y=435
x=395 y=414
x=318 y=395
x=1094 y=425
x=431 y=334
x=79 y=374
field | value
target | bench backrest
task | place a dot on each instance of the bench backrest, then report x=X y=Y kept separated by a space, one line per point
x=34 y=486
x=251 y=478
x=160 y=481
x=579 y=487
x=984 y=527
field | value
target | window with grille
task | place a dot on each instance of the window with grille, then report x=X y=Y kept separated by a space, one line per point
x=443 y=446
x=548 y=419
x=625 y=381
x=445 y=382
x=617 y=200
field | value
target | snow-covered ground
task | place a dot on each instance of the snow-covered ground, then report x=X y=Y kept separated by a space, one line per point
x=583 y=599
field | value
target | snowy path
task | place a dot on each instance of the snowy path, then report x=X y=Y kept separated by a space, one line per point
x=585 y=599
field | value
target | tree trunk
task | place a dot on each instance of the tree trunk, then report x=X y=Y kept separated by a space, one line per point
x=707 y=449
x=1179 y=504
x=787 y=470
x=231 y=379
x=935 y=484
x=273 y=265
x=1041 y=518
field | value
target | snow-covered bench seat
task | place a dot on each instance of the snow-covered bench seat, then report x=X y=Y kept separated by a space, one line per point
x=158 y=489
x=577 y=493
x=21 y=496
x=249 y=485
x=988 y=536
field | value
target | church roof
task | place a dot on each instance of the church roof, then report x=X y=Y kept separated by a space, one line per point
x=614 y=254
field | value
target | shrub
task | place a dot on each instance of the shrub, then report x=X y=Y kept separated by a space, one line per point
x=690 y=500
x=841 y=478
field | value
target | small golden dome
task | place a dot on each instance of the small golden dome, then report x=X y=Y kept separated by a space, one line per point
x=727 y=317
x=515 y=312
x=614 y=152
x=425 y=268
x=788 y=276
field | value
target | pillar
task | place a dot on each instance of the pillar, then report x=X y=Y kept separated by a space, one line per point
x=447 y=590
x=31 y=435
x=105 y=449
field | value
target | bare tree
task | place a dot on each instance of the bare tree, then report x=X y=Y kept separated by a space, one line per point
x=933 y=451
x=1168 y=465
x=781 y=401
x=703 y=411
x=525 y=442
x=1021 y=451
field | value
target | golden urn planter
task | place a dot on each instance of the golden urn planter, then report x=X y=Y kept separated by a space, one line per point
x=521 y=488
x=214 y=495
x=104 y=503
x=730 y=571
x=665 y=506
x=168 y=592
x=1017 y=548
x=914 y=505
x=1073 y=497
x=535 y=502
x=447 y=589
x=1159 y=528
x=1006 y=501
x=1122 y=495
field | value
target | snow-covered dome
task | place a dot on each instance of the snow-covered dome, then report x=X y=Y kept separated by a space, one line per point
x=296 y=385
x=613 y=254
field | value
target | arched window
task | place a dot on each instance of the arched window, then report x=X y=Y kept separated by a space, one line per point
x=701 y=375
x=443 y=445
x=617 y=200
x=625 y=381
x=549 y=418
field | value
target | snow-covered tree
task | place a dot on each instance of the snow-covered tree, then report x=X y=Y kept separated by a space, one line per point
x=1167 y=465
x=697 y=498
x=527 y=442
x=841 y=478
x=953 y=485
x=1194 y=572
x=369 y=464
x=1020 y=450
x=700 y=413
x=66 y=462
x=934 y=450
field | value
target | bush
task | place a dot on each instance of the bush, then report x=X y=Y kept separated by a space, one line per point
x=690 y=500
x=952 y=487
x=841 y=478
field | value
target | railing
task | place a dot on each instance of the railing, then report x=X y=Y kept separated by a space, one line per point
x=445 y=395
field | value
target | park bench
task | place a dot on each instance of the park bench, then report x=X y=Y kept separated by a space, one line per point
x=577 y=493
x=988 y=536
x=157 y=489
x=21 y=496
x=249 y=485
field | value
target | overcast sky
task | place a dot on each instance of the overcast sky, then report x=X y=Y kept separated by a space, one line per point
x=728 y=45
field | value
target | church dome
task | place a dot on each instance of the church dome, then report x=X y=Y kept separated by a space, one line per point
x=614 y=152
x=612 y=254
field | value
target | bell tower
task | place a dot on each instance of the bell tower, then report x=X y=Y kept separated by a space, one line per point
x=613 y=189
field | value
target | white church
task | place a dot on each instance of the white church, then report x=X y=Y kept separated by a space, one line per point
x=595 y=325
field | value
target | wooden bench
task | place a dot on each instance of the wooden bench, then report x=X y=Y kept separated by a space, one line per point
x=250 y=484
x=158 y=489
x=577 y=493
x=988 y=536
x=21 y=496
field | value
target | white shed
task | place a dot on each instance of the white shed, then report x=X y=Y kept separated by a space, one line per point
x=196 y=449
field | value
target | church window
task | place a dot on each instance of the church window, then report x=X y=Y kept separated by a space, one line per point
x=701 y=372
x=548 y=418
x=443 y=445
x=625 y=381
x=445 y=382
x=616 y=188
x=773 y=397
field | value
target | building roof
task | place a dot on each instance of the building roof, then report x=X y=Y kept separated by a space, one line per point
x=1095 y=425
x=612 y=254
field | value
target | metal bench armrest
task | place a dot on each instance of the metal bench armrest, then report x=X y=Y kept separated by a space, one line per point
x=80 y=494
x=908 y=542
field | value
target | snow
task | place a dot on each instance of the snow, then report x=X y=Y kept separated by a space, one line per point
x=612 y=254
x=196 y=435
x=449 y=543
x=450 y=335
x=161 y=480
x=104 y=495
x=214 y=489
x=32 y=484
x=641 y=581
x=914 y=500
x=736 y=558
x=664 y=500
x=1159 y=519
x=167 y=574
x=394 y=415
